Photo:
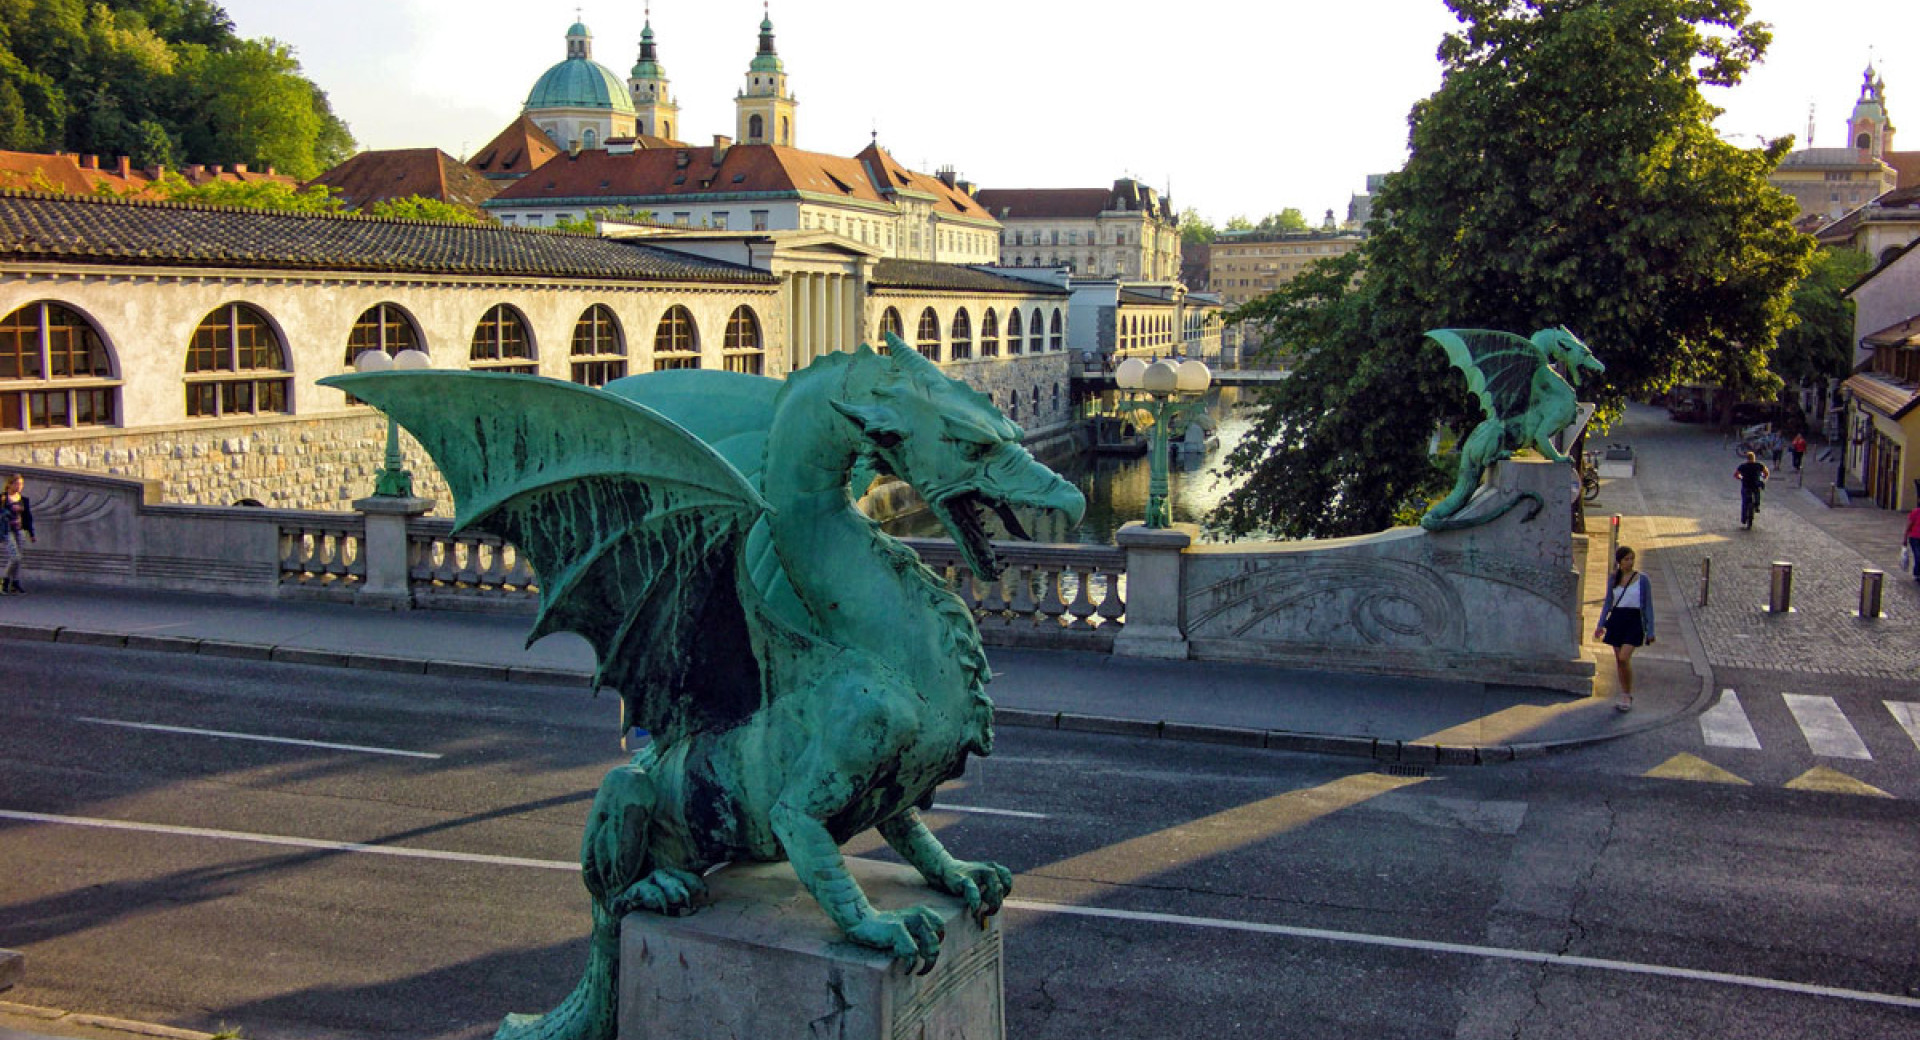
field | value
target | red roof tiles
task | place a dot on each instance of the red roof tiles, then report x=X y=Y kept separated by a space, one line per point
x=399 y=173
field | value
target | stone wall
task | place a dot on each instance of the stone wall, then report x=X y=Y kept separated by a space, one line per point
x=282 y=462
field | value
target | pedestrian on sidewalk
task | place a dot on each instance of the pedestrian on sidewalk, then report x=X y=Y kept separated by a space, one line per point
x=1799 y=449
x=1753 y=480
x=1626 y=620
x=1776 y=443
x=1913 y=541
x=16 y=520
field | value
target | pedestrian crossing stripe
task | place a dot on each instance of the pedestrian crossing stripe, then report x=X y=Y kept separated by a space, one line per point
x=1832 y=781
x=1690 y=767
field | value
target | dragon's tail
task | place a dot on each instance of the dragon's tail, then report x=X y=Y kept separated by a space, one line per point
x=589 y=1011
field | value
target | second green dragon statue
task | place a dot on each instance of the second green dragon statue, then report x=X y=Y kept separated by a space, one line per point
x=802 y=675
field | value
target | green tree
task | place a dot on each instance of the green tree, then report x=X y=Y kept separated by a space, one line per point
x=1566 y=172
x=317 y=198
x=1195 y=229
x=417 y=207
x=1818 y=341
x=1289 y=219
x=590 y=223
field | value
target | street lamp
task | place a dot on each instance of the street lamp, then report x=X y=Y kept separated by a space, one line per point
x=393 y=482
x=1172 y=394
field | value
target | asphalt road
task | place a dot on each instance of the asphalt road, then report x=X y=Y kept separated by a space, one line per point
x=1171 y=891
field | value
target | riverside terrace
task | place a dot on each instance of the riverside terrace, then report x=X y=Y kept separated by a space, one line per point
x=1498 y=603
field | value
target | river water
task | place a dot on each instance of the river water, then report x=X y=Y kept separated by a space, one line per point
x=1116 y=488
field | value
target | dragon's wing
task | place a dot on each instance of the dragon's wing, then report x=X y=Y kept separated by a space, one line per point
x=1499 y=367
x=631 y=522
x=731 y=412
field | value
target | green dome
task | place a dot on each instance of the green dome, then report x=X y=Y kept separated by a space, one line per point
x=580 y=83
x=578 y=29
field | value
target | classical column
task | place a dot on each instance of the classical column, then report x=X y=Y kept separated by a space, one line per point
x=798 y=321
x=831 y=341
x=817 y=309
x=849 y=312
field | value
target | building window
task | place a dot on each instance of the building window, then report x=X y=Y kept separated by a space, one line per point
x=1059 y=340
x=589 y=139
x=720 y=221
x=1013 y=332
x=501 y=342
x=927 y=340
x=759 y=219
x=756 y=128
x=236 y=365
x=684 y=218
x=890 y=324
x=989 y=334
x=962 y=335
x=599 y=352
x=55 y=371
x=743 y=350
x=676 y=343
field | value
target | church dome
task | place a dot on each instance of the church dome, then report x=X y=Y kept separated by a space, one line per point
x=579 y=81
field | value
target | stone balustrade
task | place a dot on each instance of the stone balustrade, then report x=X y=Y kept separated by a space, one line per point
x=1495 y=603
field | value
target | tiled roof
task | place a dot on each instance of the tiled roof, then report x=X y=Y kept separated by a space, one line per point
x=1891 y=399
x=926 y=274
x=1044 y=203
x=83 y=174
x=692 y=172
x=1899 y=334
x=515 y=152
x=93 y=230
x=1906 y=165
x=1901 y=205
x=399 y=173
x=1826 y=157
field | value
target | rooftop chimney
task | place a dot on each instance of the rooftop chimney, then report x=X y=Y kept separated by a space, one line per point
x=721 y=143
x=89 y=162
x=947 y=175
x=126 y=167
x=239 y=167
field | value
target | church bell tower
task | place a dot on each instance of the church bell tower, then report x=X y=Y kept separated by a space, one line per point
x=764 y=107
x=1869 y=131
x=655 y=114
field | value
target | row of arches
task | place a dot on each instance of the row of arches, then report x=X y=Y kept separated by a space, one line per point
x=1035 y=333
x=57 y=371
x=1146 y=330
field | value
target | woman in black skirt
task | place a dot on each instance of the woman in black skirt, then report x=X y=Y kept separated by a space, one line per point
x=1626 y=619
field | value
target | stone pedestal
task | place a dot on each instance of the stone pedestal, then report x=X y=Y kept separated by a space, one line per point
x=1153 y=627
x=761 y=960
x=385 y=549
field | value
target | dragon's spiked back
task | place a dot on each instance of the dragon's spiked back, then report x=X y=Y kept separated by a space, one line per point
x=1500 y=366
x=957 y=450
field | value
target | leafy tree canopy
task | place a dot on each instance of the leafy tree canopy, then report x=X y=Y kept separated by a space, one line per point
x=419 y=207
x=317 y=198
x=1195 y=229
x=1818 y=342
x=1566 y=172
x=590 y=224
x=165 y=82
x=1289 y=219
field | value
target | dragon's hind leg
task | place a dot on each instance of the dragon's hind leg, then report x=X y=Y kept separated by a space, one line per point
x=616 y=865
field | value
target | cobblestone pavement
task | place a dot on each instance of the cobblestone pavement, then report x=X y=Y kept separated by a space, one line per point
x=1682 y=506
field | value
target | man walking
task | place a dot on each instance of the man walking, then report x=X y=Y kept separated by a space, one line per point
x=1753 y=479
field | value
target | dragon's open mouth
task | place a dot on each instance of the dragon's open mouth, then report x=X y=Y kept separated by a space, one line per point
x=964 y=515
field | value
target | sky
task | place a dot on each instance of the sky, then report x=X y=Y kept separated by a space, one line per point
x=1235 y=108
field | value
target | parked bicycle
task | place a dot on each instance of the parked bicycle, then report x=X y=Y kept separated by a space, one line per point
x=1590 y=476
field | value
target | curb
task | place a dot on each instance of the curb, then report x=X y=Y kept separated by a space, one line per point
x=1413 y=753
x=55 y=1017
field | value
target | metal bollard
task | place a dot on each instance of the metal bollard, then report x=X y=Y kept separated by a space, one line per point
x=1613 y=539
x=1870 y=583
x=1706 y=578
x=1780 y=589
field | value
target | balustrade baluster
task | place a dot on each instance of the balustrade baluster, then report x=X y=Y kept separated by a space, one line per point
x=1082 y=606
x=1053 y=600
x=1023 y=601
x=1112 y=607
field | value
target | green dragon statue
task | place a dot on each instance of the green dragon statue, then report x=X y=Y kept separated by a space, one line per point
x=1526 y=402
x=802 y=675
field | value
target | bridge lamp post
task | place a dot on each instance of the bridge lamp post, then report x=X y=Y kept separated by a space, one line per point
x=393 y=482
x=1171 y=394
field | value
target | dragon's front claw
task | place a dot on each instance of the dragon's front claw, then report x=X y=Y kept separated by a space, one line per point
x=983 y=885
x=912 y=936
x=665 y=891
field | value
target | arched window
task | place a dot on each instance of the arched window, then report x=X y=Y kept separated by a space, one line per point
x=1013 y=405
x=676 y=343
x=1014 y=332
x=962 y=335
x=501 y=342
x=756 y=128
x=1059 y=340
x=786 y=131
x=890 y=322
x=383 y=326
x=927 y=340
x=236 y=365
x=589 y=139
x=599 y=351
x=989 y=334
x=55 y=371
x=744 y=352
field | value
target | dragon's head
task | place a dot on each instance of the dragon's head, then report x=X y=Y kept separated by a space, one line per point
x=958 y=451
x=1564 y=347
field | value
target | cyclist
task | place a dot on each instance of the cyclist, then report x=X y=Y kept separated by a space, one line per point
x=1753 y=479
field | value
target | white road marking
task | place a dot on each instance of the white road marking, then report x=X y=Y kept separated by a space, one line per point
x=281 y=839
x=982 y=811
x=1489 y=952
x=1725 y=724
x=254 y=736
x=1031 y=906
x=1907 y=714
x=1828 y=732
